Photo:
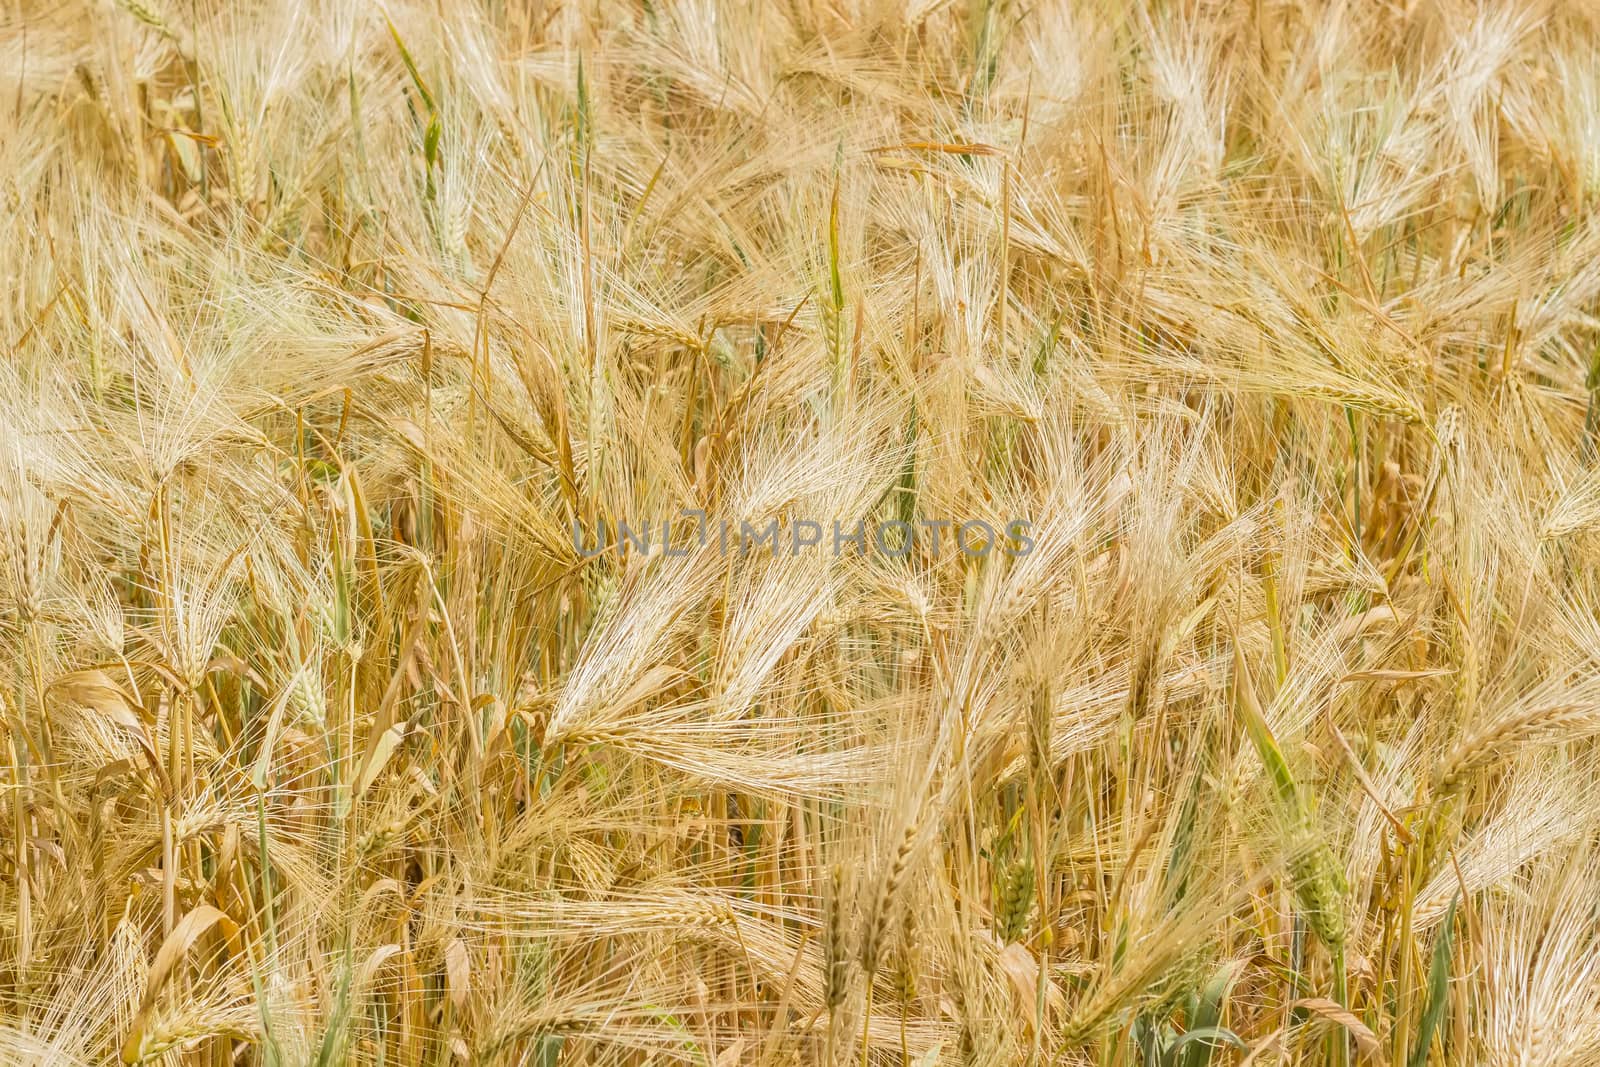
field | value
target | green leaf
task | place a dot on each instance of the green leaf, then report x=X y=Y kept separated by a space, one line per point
x=1255 y=724
x=835 y=281
x=411 y=67
x=1205 y=1022
x=1438 y=989
x=1205 y=1040
x=430 y=140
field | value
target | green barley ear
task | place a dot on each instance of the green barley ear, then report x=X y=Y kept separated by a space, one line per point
x=1011 y=882
x=1015 y=902
x=1319 y=883
x=145 y=14
x=1319 y=888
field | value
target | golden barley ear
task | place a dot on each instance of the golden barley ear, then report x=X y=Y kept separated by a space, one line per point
x=838 y=911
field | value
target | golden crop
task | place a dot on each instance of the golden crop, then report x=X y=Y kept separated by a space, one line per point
x=327 y=325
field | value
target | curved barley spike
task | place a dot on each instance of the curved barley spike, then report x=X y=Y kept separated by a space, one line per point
x=1501 y=740
x=882 y=914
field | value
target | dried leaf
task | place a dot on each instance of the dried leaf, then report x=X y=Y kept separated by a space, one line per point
x=373 y=964
x=385 y=746
x=457 y=972
x=1366 y=1040
x=182 y=938
x=94 y=690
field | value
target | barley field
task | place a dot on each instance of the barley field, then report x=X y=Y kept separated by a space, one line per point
x=898 y=533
